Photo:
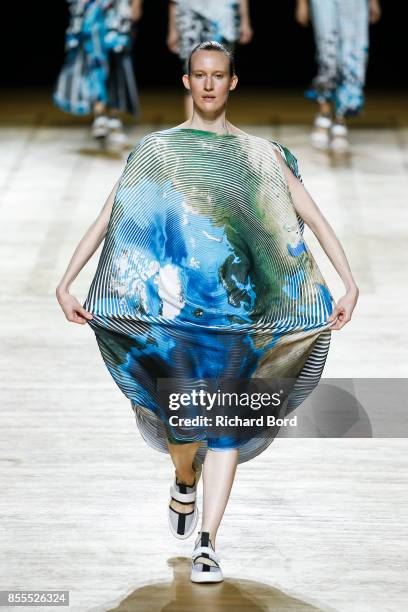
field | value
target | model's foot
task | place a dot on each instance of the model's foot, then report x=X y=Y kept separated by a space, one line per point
x=182 y=510
x=205 y=561
x=189 y=482
x=117 y=138
x=320 y=135
x=99 y=127
x=339 y=142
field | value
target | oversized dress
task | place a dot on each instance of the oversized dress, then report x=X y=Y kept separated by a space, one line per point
x=98 y=64
x=204 y=274
x=342 y=41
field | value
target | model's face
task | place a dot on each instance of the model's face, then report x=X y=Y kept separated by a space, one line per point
x=210 y=81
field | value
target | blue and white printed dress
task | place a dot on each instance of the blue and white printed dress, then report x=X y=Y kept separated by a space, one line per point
x=204 y=274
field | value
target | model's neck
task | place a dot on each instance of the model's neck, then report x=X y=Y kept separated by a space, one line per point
x=218 y=123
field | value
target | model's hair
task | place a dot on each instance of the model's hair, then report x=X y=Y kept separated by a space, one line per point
x=213 y=45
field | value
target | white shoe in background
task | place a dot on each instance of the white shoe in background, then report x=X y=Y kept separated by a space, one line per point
x=99 y=128
x=339 y=142
x=117 y=138
x=320 y=135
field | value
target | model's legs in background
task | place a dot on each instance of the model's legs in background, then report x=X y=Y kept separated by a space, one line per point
x=324 y=16
x=99 y=127
x=353 y=55
x=341 y=37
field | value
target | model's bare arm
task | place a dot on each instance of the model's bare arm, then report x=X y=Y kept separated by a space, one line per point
x=302 y=12
x=313 y=217
x=245 y=30
x=136 y=10
x=172 y=32
x=83 y=252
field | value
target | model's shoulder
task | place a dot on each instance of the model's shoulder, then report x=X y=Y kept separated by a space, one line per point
x=142 y=147
x=288 y=156
x=159 y=135
x=260 y=140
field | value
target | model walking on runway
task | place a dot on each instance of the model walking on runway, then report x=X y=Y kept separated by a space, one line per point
x=204 y=275
x=97 y=76
x=341 y=38
x=194 y=21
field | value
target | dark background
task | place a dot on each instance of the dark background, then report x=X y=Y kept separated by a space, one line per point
x=281 y=54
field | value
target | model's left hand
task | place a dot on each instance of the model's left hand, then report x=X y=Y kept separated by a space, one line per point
x=246 y=33
x=343 y=309
x=374 y=9
x=136 y=10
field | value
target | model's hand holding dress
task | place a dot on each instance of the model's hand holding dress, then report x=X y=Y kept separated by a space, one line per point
x=204 y=273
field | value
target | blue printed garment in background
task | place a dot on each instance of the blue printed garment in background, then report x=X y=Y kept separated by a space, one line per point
x=341 y=37
x=201 y=20
x=98 y=64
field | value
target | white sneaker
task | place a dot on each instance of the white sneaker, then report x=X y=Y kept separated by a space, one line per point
x=339 y=142
x=182 y=524
x=99 y=127
x=117 y=138
x=205 y=561
x=320 y=135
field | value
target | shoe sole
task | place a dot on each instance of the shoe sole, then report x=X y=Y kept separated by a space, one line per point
x=116 y=144
x=320 y=144
x=340 y=149
x=100 y=134
x=201 y=576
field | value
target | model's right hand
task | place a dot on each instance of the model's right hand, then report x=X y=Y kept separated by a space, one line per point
x=343 y=310
x=72 y=308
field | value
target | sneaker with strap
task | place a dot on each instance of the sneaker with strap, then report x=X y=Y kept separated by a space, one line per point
x=205 y=561
x=182 y=524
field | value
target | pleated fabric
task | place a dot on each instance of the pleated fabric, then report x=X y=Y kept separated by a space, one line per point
x=204 y=274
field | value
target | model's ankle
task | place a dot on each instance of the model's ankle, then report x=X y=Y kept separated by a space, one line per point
x=212 y=535
x=186 y=478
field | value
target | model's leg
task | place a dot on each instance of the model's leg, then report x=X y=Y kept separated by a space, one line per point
x=99 y=128
x=99 y=108
x=325 y=108
x=182 y=456
x=218 y=476
x=117 y=136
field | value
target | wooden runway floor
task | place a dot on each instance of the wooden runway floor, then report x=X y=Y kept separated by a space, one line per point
x=312 y=524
